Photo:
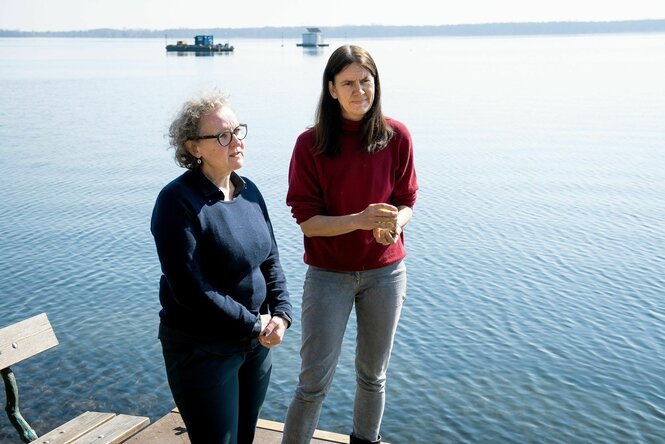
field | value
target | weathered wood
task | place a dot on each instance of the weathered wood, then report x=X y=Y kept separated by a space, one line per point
x=95 y=427
x=28 y=338
x=170 y=429
x=25 y=339
x=320 y=436
x=115 y=431
x=18 y=342
x=75 y=428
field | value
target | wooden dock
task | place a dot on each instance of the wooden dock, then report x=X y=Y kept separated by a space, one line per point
x=171 y=430
x=34 y=335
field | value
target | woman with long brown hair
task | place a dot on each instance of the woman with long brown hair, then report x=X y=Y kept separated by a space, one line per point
x=352 y=186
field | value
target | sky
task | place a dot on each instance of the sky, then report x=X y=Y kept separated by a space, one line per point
x=75 y=15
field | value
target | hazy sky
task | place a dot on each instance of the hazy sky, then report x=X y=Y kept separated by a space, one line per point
x=65 y=15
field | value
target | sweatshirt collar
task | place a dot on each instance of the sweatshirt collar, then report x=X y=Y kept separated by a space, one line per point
x=208 y=188
x=352 y=126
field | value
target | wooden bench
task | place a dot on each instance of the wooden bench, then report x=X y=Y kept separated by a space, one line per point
x=28 y=338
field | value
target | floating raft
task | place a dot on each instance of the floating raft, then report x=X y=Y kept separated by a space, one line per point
x=202 y=43
x=200 y=48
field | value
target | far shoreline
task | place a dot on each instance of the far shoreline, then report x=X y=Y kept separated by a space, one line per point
x=334 y=32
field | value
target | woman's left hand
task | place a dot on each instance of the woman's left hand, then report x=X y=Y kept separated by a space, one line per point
x=387 y=237
x=273 y=333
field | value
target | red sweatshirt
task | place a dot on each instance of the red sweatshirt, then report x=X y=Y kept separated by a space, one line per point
x=346 y=184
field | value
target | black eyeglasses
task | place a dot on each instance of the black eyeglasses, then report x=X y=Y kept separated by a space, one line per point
x=225 y=137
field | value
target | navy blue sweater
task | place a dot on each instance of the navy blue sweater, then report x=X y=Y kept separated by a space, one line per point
x=219 y=262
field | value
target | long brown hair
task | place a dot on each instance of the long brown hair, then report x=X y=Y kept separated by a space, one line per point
x=375 y=130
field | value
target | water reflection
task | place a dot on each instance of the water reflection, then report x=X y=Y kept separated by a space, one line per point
x=312 y=50
x=197 y=53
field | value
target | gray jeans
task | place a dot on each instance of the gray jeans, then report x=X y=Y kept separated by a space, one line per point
x=327 y=301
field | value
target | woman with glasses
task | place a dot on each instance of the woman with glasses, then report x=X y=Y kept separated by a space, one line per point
x=352 y=186
x=223 y=293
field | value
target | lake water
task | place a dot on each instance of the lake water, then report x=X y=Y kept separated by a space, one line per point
x=536 y=304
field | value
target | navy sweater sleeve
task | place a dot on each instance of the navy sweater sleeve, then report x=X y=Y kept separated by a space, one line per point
x=277 y=297
x=220 y=266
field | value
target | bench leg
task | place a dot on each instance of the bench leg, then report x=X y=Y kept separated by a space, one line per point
x=20 y=424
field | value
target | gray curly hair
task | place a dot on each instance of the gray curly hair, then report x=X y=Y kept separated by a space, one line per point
x=185 y=126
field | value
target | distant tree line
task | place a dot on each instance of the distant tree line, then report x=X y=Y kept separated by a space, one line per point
x=491 y=29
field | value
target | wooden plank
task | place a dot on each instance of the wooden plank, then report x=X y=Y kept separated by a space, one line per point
x=166 y=430
x=320 y=436
x=25 y=339
x=263 y=436
x=170 y=429
x=323 y=436
x=114 y=431
x=75 y=428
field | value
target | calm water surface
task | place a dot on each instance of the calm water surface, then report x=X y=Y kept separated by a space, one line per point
x=536 y=306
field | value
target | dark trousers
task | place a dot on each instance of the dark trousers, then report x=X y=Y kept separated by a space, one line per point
x=219 y=395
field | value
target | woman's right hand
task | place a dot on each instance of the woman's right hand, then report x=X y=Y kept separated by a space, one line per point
x=377 y=215
x=273 y=329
